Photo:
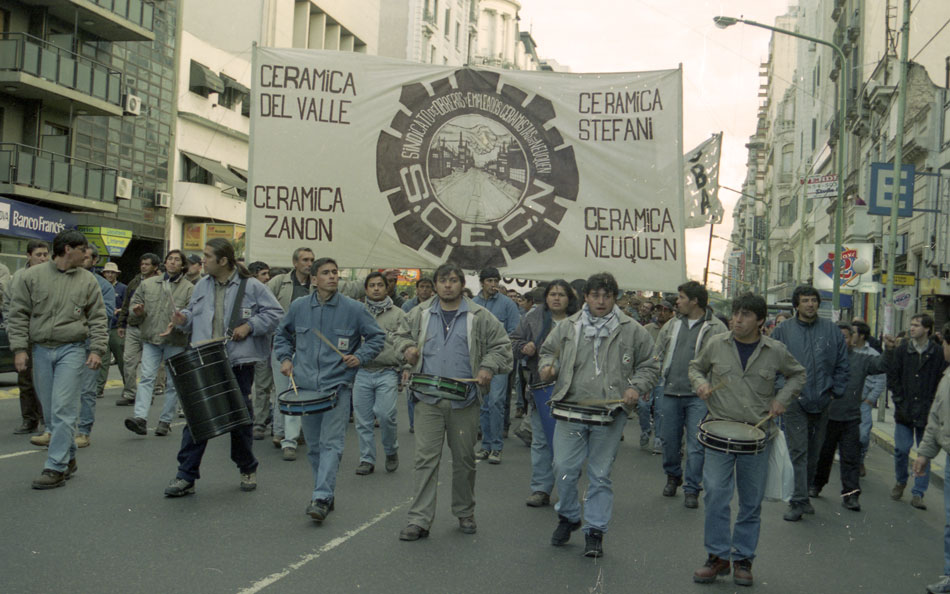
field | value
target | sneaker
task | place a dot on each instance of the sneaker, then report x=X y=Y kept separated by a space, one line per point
x=123 y=401
x=413 y=430
x=524 y=434
x=812 y=492
x=41 y=440
x=494 y=457
x=742 y=572
x=365 y=468
x=711 y=569
x=806 y=509
x=258 y=432
x=82 y=440
x=136 y=425
x=657 y=446
x=49 y=479
x=25 y=427
x=248 y=481
x=793 y=513
x=851 y=502
x=413 y=532
x=392 y=462
x=594 y=543
x=481 y=454
x=672 y=482
x=179 y=488
x=163 y=429
x=277 y=440
x=918 y=502
x=467 y=525
x=319 y=509
x=71 y=469
x=538 y=499
x=290 y=454
x=644 y=439
x=941 y=587
x=562 y=533
x=691 y=500
x=896 y=493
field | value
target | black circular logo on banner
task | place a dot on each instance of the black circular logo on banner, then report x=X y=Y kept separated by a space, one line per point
x=473 y=173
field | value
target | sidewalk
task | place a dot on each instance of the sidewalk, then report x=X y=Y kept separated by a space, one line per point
x=882 y=434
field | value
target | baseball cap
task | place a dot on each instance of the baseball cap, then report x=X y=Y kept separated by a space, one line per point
x=194 y=259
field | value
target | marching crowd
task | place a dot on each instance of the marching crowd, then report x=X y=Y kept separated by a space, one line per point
x=310 y=352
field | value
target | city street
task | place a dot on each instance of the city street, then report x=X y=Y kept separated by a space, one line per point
x=112 y=530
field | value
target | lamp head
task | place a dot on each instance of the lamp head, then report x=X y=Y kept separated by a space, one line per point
x=860 y=266
x=723 y=21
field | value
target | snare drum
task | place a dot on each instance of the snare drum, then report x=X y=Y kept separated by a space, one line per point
x=588 y=415
x=732 y=437
x=300 y=402
x=438 y=387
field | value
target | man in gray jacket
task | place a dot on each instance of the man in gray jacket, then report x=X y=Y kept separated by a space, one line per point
x=55 y=307
x=376 y=387
x=676 y=345
x=819 y=346
x=597 y=355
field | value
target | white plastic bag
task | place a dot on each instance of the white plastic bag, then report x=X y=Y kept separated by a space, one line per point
x=781 y=479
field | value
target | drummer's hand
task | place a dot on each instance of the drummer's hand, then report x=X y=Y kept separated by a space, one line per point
x=483 y=378
x=171 y=326
x=138 y=309
x=121 y=332
x=241 y=332
x=889 y=341
x=704 y=391
x=412 y=355
x=529 y=349
x=93 y=361
x=351 y=361
x=776 y=408
x=21 y=360
x=286 y=367
x=920 y=465
x=547 y=373
x=630 y=396
x=178 y=318
x=405 y=377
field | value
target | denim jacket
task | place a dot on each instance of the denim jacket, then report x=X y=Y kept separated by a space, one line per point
x=819 y=346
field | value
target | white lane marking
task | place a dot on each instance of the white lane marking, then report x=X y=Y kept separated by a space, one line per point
x=23 y=453
x=274 y=577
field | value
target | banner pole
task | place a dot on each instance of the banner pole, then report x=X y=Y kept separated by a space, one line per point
x=708 y=254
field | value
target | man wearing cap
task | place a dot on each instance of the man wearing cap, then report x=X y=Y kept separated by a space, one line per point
x=647 y=409
x=194 y=272
x=111 y=272
x=493 y=407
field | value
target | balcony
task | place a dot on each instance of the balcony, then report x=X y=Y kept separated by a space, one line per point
x=429 y=24
x=29 y=172
x=113 y=20
x=32 y=68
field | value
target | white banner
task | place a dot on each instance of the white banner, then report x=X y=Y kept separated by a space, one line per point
x=702 y=184
x=855 y=258
x=821 y=186
x=385 y=163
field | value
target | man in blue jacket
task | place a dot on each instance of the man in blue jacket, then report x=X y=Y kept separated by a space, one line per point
x=821 y=349
x=354 y=338
x=208 y=316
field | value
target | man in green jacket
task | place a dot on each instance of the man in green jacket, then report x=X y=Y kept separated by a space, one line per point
x=55 y=307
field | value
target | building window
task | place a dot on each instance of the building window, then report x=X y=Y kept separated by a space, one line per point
x=55 y=139
x=203 y=81
x=196 y=174
x=785 y=176
x=786 y=267
x=432 y=55
x=458 y=36
x=448 y=22
x=788 y=211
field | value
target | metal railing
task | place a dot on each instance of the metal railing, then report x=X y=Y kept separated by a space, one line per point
x=29 y=166
x=25 y=53
x=137 y=11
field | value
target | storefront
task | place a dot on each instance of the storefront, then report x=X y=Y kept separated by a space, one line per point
x=195 y=235
x=21 y=222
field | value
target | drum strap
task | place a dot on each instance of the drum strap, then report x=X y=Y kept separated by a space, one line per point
x=236 y=308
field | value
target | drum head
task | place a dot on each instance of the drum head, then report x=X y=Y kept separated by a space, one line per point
x=733 y=430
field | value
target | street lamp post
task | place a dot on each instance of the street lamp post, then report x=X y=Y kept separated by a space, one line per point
x=724 y=21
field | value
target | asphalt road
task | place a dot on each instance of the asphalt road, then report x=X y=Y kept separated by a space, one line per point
x=112 y=530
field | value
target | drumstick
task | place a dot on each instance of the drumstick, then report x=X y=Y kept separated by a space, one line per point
x=293 y=385
x=604 y=403
x=767 y=417
x=329 y=344
x=719 y=385
x=462 y=379
x=203 y=342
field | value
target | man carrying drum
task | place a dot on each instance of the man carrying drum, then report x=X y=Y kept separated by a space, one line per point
x=226 y=303
x=377 y=382
x=602 y=359
x=320 y=343
x=157 y=298
x=735 y=374
x=450 y=337
x=559 y=302
x=55 y=307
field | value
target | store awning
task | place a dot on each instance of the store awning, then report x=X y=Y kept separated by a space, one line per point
x=230 y=83
x=202 y=76
x=221 y=173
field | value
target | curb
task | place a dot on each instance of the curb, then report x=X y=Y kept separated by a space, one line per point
x=886 y=442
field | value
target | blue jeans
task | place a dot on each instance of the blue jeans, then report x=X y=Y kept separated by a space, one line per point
x=648 y=412
x=324 y=433
x=492 y=417
x=573 y=443
x=152 y=357
x=88 y=389
x=56 y=373
x=285 y=426
x=946 y=509
x=904 y=438
x=864 y=429
x=679 y=412
x=374 y=396
x=722 y=474
x=412 y=408
x=191 y=452
x=542 y=457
